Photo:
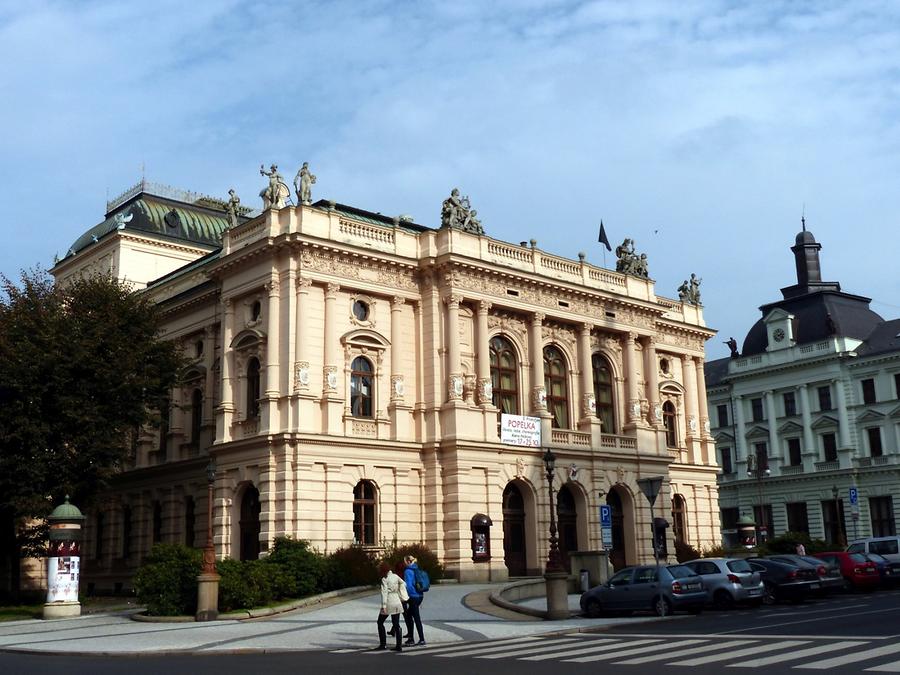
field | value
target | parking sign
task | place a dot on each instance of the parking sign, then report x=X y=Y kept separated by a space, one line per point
x=605 y=515
x=854 y=496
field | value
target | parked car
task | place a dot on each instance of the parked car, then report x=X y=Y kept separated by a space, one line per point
x=728 y=581
x=662 y=590
x=888 y=572
x=829 y=574
x=858 y=572
x=784 y=581
x=889 y=547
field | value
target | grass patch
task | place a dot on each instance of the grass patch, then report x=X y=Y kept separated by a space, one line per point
x=19 y=612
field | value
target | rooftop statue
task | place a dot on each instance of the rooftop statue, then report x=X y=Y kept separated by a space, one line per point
x=732 y=345
x=276 y=192
x=232 y=208
x=630 y=262
x=457 y=213
x=689 y=291
x=303 y=182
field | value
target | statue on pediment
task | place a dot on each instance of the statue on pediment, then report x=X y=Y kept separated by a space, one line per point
x=629 y=262
x=276 y=193
x=689 y=291
x=233 y=208
x=457 y=213
x=303 y=182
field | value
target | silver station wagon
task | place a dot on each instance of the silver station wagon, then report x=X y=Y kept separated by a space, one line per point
x=729 y=581
x=661 y=590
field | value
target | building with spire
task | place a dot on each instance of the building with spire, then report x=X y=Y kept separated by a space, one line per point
x=348 y=375
x=806 y=416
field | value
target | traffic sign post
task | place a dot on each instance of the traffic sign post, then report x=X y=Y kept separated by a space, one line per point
x=606 y=525
x=854 y=496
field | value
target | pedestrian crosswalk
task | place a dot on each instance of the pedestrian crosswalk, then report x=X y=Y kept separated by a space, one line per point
x=678 y=651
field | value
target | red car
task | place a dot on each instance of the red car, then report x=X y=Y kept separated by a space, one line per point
x=857 y=570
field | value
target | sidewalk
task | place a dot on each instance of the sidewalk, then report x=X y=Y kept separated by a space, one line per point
x=344 y=625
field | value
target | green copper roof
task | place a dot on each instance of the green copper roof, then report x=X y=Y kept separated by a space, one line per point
x=66 y=511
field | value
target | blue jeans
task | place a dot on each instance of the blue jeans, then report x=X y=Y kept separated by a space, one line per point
x=412 y=614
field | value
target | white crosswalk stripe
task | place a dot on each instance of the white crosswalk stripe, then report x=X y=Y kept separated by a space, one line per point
x=490 y=649
x=749 y=651
x=440 y=649
x=628 y=652
x=794 y=655
x=596 y=646
x=678 y=653
x=554 y=645
x=855 y=657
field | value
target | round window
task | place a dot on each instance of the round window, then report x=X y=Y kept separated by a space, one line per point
x=361 y=310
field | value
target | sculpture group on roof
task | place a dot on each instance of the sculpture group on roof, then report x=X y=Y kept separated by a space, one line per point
x=689 y=291
x=630 y=262
x=276 y=193
x=457 y=213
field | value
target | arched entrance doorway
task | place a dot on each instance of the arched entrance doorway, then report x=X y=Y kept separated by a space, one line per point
x=514 y=531
x=567 y=516
x=249 y=524
x=617 y=552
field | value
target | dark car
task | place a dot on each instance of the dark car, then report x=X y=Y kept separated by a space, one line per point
x=784 y=581
x=829 y=573
x=857 y=570
x=888 y=570
x=662 y=590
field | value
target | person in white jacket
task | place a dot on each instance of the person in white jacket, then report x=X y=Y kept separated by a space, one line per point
x=393 y=595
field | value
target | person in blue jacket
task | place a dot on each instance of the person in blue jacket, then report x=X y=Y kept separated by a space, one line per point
x=415 y=601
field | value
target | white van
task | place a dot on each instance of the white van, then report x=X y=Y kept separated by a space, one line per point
x=889 y=547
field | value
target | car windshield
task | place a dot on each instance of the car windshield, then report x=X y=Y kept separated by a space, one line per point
x=856 y=548
x=858 y=558
x=680 y=571
x=739 y=566
x=874 y=557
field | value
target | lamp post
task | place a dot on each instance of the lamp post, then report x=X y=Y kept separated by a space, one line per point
x=754 y=470
x=555 y=575
x=208 y=581
x=835 y=491
x=651 y=487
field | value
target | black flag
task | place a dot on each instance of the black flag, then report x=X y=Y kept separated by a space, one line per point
x=603 y=240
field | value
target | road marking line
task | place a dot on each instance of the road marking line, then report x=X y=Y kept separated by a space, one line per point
x=887 y=667
x=685 y=652
x=827 y=664
x=749 y=651
x=489 y=649
x=554 y=646
x=602 y=646
x=803 y=612
x=628 y=652
x=821 y=618
x=791 y=656
x=469 y=645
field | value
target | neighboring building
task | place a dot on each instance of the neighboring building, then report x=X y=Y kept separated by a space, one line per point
x=812 y=400
x=348 y=373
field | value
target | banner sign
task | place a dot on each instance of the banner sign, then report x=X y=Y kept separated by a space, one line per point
x=520 y=430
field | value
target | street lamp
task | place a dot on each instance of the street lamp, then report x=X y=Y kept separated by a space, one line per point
x=754 y=470
x=208 y=581
x=651 y=487
x=835 y=492
x=554 y=564
x=555 y=575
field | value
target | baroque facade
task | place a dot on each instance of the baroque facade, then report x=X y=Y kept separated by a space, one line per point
x=348 y=374
x=806 y=417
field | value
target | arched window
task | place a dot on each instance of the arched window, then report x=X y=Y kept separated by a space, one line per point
x=361 y=387
x=364 y=500
x=556 y=385
x=603 y=393
x=504 y=376
x=196 y=415
x=248 y=524
x=679 y=518
x=668 y=411
x=253 y=388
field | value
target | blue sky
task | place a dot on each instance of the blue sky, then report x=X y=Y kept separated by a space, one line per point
x=700 y=128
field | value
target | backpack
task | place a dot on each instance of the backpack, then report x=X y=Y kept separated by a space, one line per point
x=421 y=581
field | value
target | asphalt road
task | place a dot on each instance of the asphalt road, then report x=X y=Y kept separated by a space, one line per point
x=841 y=634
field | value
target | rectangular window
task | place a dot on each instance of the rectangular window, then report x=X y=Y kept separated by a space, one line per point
x=882 y=511
x=874 y=436
x=756 y=409
x=126 y=531
x=797 y=517
x=868 y=391
x=829 y=447
x=189 y=518
x=897 y=385
x=157 y=522
x=825 y=398
x=762 y=456
x=722 y=413
x=790 y=404
x=762 y=515
x=794 y=452
x=730 y=517
x=833 y=521
x=727 y=467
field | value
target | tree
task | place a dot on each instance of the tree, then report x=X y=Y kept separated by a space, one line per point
x=83 y=366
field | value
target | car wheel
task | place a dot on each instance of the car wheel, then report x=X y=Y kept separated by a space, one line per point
x=662 y=606
x=769 y=593
x=723 y=600
x=593 y=608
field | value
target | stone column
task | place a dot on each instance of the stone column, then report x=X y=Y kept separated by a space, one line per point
x=227 y=404
x=209 y=358
x=483 y=390
x=588 y=401
x=774 y=448
x=330 y=368
x=538 y=392
x=690 y=396
x=633 y=403
x=701 y=398
x=809 y=441
x=301 y=335
x=273 y=349
x=741 y=440
x=843 y=417
x=651 y=377
x=454 y=361
x=393 y=355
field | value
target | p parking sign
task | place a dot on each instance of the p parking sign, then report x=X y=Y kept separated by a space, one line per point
x=854 y=496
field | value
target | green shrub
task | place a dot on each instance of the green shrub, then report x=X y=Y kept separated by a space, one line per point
x=308 y=571
x=425 y=559
x=787 y=543
x=251 y=583
x=352 y=566
x=167 y=581
x=685 y=552
x=722 y=552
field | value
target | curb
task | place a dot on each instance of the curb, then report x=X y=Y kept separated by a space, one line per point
x=245 y=614
x=497 y=598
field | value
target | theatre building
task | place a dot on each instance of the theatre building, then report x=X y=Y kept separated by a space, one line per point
x=348 y=374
